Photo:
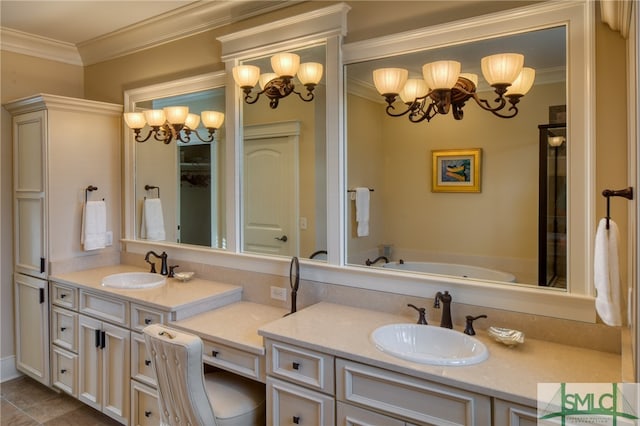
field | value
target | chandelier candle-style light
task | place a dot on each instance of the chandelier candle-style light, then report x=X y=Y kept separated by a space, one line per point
x=444 y=88
x=173 y=122
x=279 y=84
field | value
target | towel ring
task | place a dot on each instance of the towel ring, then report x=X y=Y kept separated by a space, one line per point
x=88 y=189
x=150 y=187
x=608 y=193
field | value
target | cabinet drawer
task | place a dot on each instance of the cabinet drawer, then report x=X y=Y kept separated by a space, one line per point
x=103 y=307
x=231 y=359
x=141 y=368
x=64 y=326
x=348 y=415
x=141 y=316
x=65 y=371
x=507 y=413
x=144 y=405
x=303 y=366
x=288 y=404
x=64 y=296
x=414 y=399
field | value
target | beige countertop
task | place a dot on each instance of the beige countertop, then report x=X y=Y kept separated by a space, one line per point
x=509 y=373
x=173 y=296
x=235 y=325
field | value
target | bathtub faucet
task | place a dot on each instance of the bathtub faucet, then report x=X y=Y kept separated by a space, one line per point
x=162 y=257
x=446 y=298
x=371 y=262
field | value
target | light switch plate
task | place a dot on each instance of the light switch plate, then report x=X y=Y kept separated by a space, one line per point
x=279 y=293
x=109 y=238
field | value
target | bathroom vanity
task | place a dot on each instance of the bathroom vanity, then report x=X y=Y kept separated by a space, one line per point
x=321 y=362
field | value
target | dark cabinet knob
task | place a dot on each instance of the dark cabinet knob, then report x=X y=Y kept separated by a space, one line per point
x=63 y=295
x=147 y=413
x=63 y=371
x=147 y=321
x=296 y=420
x=147 y=362
x=214 y=353
x=296 y=366
x=63 y=329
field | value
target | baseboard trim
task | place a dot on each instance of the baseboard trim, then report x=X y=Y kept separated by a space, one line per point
x=8 y=369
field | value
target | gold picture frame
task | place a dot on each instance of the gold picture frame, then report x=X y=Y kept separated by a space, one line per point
x=456 y=170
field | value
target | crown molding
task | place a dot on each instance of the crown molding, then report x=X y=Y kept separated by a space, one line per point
x=183 y=22
x=41 y=47
x=180 y=23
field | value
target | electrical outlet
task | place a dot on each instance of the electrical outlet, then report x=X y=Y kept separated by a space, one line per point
x=303 y=223
x=109 y=238
x=279 y=293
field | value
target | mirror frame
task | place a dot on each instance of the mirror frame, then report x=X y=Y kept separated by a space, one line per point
x=577 y=303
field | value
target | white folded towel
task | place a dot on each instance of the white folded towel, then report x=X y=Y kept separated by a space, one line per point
x=152 y=227
x=362 y=211
x=607 y=273
x=93 y=235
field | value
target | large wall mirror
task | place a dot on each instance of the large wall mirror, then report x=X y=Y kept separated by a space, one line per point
x=284 y=166
x=186 y=180
x=490 y=233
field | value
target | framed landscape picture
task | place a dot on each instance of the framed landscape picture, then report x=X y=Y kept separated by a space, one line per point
x=456 y=170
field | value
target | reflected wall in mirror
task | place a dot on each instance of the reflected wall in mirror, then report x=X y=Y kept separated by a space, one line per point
x=187 y=177
x=284 y=168
x=494 y=229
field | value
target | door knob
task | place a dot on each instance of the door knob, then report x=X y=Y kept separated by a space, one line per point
x=283 y=238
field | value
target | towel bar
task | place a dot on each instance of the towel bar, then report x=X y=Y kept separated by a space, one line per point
x=88 y=189
x=608 y=193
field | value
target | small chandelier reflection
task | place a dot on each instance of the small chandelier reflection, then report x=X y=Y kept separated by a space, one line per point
x=279 y=84
x=444 y=88
x=173 y=122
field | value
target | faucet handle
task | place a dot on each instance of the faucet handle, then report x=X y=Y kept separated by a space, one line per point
x=422 y=319
x=171 y=270
x=153 y=267
x=469 y=328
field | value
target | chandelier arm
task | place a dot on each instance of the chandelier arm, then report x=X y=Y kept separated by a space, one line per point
x=513 y=114
x=249 y=100
x=419 y=114
x=210 y=139
x=184 y=137
x=309 y=98
x=485 y=105
x=140 y=139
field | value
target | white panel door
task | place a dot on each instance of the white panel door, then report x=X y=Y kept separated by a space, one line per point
x=90 y=362
x=270 y=209
x=115 y=372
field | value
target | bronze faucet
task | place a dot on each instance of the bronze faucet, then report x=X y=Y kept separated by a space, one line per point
x=163 y=257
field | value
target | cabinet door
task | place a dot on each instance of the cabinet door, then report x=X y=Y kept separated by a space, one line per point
x=29 y=180
x=144 y=405
x=32 y=327
x=90 y=362
x=116 y=372
x=507 y=413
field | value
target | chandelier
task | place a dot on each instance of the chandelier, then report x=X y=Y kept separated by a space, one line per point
x=444 y=88
x=173 y=122
x=278 y=84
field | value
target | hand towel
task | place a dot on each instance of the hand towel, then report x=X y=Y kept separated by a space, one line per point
x=93 y=235
x=607 y=273
x=362 y=211
x=152 y=226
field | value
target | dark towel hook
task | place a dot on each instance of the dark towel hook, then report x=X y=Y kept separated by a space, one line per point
x=608 y=193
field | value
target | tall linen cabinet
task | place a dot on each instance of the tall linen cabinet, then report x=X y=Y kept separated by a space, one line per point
x=61 y=146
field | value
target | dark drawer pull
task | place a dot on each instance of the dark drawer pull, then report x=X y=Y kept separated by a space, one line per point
x=214 y=353
x=147 y=413
x=147 y=321
x=63 y=328
x=63 y=371
x=296 y=420
x=147 y=362
x=63 y=295
x=296 y=366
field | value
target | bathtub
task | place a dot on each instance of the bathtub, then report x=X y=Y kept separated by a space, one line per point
x=452 y=269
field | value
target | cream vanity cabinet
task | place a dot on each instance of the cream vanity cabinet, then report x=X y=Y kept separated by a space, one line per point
x=308 y=387
x=60 y=146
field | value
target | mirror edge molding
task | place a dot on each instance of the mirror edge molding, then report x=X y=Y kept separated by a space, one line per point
x=579 y=307
x=131 y=97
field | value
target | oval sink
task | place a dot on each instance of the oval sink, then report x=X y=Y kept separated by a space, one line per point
x=428 y=344
x=133 y=280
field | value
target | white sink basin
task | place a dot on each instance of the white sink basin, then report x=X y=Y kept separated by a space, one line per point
x=133 y=280
x=428 y=344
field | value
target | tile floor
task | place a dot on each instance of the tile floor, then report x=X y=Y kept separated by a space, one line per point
x=26 y=402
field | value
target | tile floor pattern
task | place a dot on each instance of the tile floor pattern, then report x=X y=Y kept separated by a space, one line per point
x=26 y=402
